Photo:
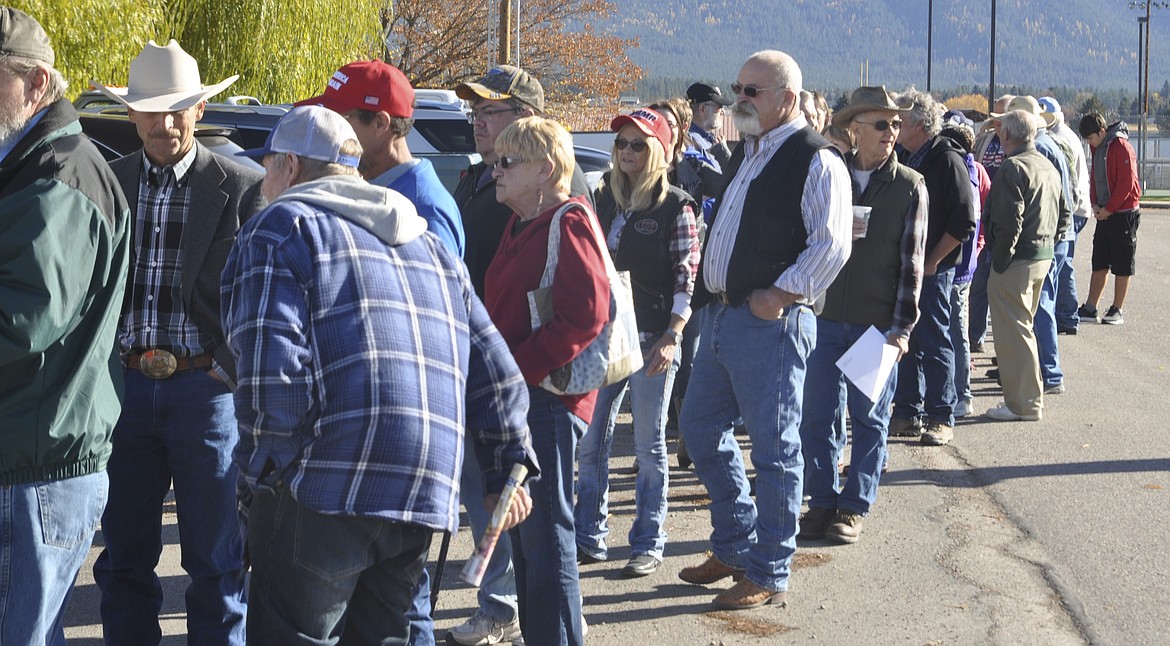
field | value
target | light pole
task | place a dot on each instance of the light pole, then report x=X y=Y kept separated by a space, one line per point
x=1144 y=78
x=1143 y=37
x=929 y=40
x=991 y=83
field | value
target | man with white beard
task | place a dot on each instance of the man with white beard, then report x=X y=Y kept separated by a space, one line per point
x=781 y=232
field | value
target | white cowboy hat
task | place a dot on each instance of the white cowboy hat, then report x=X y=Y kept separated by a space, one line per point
x=163 y=79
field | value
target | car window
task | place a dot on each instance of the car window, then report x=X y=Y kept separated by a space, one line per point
x=447 y=135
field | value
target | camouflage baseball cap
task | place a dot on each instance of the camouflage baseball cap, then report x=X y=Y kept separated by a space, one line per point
x=505 y=82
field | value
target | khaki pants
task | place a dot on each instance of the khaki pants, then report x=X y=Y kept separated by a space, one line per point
x=1013 y=297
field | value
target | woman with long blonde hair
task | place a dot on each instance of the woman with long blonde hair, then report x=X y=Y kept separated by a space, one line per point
x=650 y=232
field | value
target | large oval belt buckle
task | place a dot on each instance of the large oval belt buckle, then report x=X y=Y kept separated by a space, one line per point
x=158 y=364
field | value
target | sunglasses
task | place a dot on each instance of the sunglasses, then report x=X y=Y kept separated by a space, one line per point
x=639 y=146
x=884 y=125
x=751 y=91
x=507 y=161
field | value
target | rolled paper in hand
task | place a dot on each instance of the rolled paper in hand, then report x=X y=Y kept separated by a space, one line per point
x=475 y=567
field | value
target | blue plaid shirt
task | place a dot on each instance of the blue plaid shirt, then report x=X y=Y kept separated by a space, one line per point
x=360 y=365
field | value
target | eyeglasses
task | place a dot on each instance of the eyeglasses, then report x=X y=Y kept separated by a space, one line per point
x=638 y=146
x=487 y=113
x=884 y=125
x=751 y=91
x=507 y=161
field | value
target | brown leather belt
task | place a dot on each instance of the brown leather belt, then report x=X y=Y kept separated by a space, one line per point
x=160 y=364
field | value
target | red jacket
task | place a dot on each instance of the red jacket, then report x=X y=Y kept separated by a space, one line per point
x=580 y=295
x=1121 y=173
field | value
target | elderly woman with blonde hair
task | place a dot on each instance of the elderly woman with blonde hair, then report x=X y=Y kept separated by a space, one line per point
x=651 y=232
x=532 y=173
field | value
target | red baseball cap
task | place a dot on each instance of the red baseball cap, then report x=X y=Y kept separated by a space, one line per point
x=649 y=122
x=367 y=85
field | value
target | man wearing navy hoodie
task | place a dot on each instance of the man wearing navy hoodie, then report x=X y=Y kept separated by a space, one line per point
x=924 y=401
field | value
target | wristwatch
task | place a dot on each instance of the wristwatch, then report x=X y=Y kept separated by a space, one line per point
x=675 y=336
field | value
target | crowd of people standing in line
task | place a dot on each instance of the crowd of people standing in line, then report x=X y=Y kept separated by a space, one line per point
x=326 y=359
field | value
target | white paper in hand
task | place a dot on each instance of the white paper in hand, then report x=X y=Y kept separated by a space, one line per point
x=868 y=363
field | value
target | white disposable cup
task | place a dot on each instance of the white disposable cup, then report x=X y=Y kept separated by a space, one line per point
x=861 y=221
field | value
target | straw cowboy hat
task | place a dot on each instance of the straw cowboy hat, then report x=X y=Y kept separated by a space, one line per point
x=865 y=99
x=164 y=79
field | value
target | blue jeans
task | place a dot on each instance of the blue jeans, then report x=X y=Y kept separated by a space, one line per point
x=326 y=579
x=649 y=398
x=926 y=376
x=419 y=614
x=978 y=307
x=1044 y=323
x=544 y=550
x=755 y=368
x=825 y=392
x=497 y=591
x=45 y=532
x=180 y=430
x=686 y=353
x=959 y=325
x=1066 y=283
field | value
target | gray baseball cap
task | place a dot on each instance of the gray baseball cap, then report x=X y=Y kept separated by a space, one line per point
x=21 y=35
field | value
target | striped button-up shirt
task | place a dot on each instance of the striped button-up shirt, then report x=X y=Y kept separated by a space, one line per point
x=826 y=208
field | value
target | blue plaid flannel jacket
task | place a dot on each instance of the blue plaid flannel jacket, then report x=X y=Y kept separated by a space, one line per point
x=360 y=365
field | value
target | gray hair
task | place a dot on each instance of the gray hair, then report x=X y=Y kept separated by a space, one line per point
x=1004 y=100
x=22 y=66
x=314 y=169
x=787 y=71
x=1019 y=126
x=923 y=109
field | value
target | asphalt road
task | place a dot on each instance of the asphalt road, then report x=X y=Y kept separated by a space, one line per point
x=1042 y=533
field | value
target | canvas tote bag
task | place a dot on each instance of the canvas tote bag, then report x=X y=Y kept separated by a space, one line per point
x=615 y=354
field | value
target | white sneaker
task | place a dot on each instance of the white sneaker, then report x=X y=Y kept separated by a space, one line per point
x=482 y=630
x=1002 y=413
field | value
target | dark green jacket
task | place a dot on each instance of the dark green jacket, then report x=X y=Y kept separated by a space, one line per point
x=882 y=280
x=63 y=264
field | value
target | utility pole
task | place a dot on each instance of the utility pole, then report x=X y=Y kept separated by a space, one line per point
x=504 y=55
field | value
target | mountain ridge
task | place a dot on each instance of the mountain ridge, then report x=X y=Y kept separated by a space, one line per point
x=1041 y=43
